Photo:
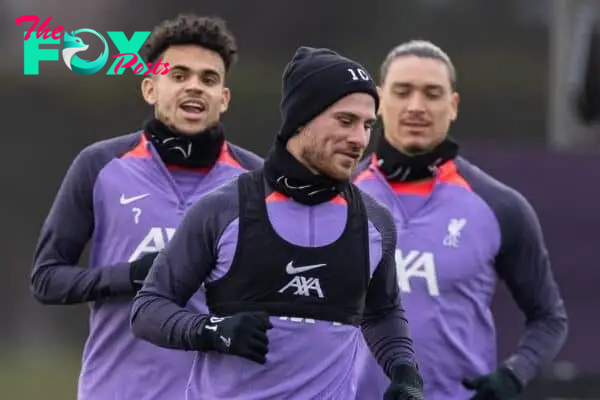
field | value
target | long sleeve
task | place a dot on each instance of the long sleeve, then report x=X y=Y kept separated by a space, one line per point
x=159 y=314
x=384 y=324
x=524 y=265
x=56 y=278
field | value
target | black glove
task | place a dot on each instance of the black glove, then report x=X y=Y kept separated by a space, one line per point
x=243 y=334
x=139 y=268
x=406 y=384
x=499 y=385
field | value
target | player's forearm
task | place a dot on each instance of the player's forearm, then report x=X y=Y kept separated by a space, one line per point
x=388 y=337
x=162 y=322
x=159 y=314
x=546 y=328
x=524 y=264
x=62 y=284
x=541 y=342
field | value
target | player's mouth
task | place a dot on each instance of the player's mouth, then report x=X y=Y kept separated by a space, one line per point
x=416 y=124
x=416 y=128
x=351 y=155
x=193 y=109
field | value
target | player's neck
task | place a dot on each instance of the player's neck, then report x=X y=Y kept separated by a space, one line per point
x=397 y=166
x=199 y=150
x=289 y=176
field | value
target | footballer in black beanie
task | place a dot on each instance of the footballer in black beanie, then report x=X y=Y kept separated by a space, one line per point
x=335 y=100
x=313 y=80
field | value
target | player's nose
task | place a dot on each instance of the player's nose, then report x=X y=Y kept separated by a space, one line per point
x=416 y=103
x=195 y=84
x=359 y=137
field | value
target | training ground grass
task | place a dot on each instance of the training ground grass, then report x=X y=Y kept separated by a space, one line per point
x=29 y=375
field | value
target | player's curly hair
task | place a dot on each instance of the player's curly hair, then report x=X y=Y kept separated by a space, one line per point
x=208 y=32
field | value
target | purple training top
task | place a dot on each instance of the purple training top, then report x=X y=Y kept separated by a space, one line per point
x=456 y=236
x=119 y=195
x=307 y=359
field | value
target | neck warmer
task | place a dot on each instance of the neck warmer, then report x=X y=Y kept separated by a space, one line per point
x=287 y=175
x=399 y=167
x=199 y=150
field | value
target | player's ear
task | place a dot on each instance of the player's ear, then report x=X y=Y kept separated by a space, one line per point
x=379 y=92
x=225 y=99
x=149 y=90
x=455 y=99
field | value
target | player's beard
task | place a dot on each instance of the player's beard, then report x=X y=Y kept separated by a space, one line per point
x=321 y=163
x=416 y=149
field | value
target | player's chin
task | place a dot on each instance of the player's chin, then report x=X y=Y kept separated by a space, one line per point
x=418 y=144
x=190 y=127
x=192 y=121
x=342 y=170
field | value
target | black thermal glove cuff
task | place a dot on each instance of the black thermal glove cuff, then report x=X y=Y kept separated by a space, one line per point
x=243 y=334
x=205 y=339
x=406 y=384
x=138 y=269
x=407 y=374
x=500 y=385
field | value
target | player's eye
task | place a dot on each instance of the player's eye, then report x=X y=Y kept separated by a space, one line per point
x=402 y=93
x=434 y=93
x=178 y=76
x=345 y=121
x=211 y=79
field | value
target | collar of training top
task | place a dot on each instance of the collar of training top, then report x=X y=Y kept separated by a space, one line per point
x=399 y=167
x=199 y=150
x=288 y=176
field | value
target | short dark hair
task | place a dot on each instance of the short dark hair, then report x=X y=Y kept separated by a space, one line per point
x=208 y=32
x=418 y=48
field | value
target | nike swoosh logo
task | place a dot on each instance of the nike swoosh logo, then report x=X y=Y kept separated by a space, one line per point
x=291 y=270
x=128 y=200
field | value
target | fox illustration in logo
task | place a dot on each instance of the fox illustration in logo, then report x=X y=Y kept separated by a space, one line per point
x=72 y=45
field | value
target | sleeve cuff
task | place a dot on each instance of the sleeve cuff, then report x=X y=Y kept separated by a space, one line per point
x=406 y=373
x=119 y=281
x=519 y=369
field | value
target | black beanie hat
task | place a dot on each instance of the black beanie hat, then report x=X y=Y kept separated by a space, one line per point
x=315 y=79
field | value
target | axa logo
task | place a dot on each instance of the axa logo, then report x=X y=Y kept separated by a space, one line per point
x=302 y=285
x=155 y=240
x=417 y=265
x=73 y=45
